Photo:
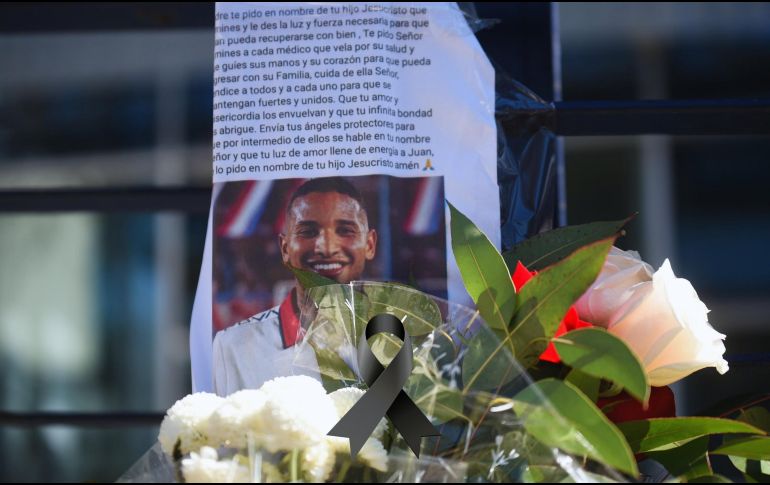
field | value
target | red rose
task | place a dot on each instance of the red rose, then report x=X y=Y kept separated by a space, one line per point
x=570 y=322
x=521 y=275
x=622 y=408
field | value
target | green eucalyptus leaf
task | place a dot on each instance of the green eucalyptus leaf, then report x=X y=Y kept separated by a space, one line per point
x=592 y=477
x=331 y=384
x=749 y=479
x=600 y=354
x=757 y=416
x=659 y=434
x=754 y=448
x=545 y=299
x=483 y=270
x=543 y=474
x=479 y=460
x=487 y=364
x=710 y=479
x=757 y=470
x=445 y=353
x=418 y=311
x=550 y=247
x=687 y=461
x=331 y=365
x=497 y=314
x=573 y=424
x=435 y=398
x=310 y=279
x=588 y=384
x=340 y=314
x=385 y=346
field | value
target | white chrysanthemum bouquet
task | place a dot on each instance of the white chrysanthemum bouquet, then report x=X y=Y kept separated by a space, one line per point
x=275 y=434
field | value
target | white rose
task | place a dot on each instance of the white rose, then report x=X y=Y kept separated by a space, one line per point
x=659 y=316
x=621 y=276
x=187 y=421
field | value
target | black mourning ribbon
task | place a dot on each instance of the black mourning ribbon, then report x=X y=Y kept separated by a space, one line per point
x=385 y=395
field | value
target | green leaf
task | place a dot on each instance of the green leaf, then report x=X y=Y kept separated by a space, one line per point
x=444 y=353
x=331 y=365
x=578 y=426
x=754 y=448
x=601 y=354
x=552 y=246
x=588 y=385
x=385 y=347
x=752 y=468
x=497 y=314
x=757 y=470
x=556 y=474
x=592 y=477
x=340 y=314
x=484 y=272
x=330 y=384
x=487 y=364
x=757 y=416
x=542 y=474
x=345 y=311
x=687 y=461
x=665 y=433
x=436 y=399
x=545 y=299
x=310 y=279
x=418 y=311
x=710 y=479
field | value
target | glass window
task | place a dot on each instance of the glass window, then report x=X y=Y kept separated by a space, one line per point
x=94 y=310
x=106 y=109
x=68 y=454
x=703 y=201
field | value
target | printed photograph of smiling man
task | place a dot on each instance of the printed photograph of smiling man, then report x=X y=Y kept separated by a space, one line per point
x=376 y=227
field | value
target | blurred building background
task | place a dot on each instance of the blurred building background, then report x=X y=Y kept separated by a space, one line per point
x=95 y=305
x=702 y=200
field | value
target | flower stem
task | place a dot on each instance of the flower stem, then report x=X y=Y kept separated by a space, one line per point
x=255 y=459
x=294 y=470
x=744 y=406
x=343 y=471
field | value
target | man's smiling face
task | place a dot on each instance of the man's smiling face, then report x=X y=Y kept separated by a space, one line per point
x=328 y=232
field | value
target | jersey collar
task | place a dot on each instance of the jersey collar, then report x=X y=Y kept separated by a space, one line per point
x=288 y=316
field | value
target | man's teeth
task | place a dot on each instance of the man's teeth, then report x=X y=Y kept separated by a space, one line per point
x=327 y=267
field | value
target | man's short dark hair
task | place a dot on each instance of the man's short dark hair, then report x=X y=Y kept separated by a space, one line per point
x=327 y=184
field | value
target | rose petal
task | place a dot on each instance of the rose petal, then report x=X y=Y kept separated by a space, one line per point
x=613 y=287
x=570 y=322
x=626 y=408
x=666 y=325
x=521 y=275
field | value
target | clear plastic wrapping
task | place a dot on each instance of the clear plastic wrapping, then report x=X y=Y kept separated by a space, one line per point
x=484 y=413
